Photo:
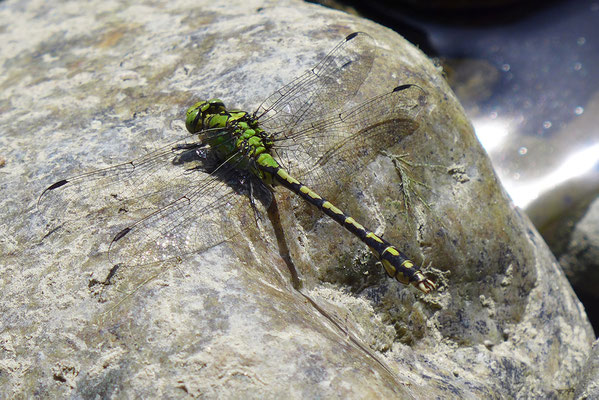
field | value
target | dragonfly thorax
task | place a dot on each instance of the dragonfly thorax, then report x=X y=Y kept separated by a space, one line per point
x=234 y=135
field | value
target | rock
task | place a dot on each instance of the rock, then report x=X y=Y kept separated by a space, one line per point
x=581 y=258
x=89 y=85
x=588 y=387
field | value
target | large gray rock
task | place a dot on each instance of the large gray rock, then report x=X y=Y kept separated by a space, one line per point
x=87 y=85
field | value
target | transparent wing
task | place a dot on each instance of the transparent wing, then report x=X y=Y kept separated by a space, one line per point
x=193 y=222
x=321 y=153
x=157 y=207
x=321 y=90
x=109 y=188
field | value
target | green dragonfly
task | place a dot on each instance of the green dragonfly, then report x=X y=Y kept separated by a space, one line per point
x=303 y=137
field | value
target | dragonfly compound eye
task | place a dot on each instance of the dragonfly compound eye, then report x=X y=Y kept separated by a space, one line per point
x=197 y=114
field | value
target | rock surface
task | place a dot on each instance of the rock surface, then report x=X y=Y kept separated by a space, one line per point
x=581 y=256
x=588 y=387
x=85 y=85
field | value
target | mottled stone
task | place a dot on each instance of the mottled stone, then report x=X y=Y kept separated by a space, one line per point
x=588 y=387
x=85 y=85
x=580 y=260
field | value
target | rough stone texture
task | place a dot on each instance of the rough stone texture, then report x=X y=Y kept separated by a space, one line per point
x=581 y=258
x=588 y=387
x=84 y=82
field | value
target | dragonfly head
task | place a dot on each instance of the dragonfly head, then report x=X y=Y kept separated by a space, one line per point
x=196 y=114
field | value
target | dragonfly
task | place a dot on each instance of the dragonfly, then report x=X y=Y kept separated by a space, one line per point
x=307 y=137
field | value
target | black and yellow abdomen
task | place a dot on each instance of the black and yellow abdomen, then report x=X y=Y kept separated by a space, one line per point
x=396 y=264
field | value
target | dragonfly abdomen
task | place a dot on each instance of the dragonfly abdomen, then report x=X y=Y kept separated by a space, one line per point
x=396 y=264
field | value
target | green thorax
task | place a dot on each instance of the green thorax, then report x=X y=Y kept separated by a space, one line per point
x=234 y=135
